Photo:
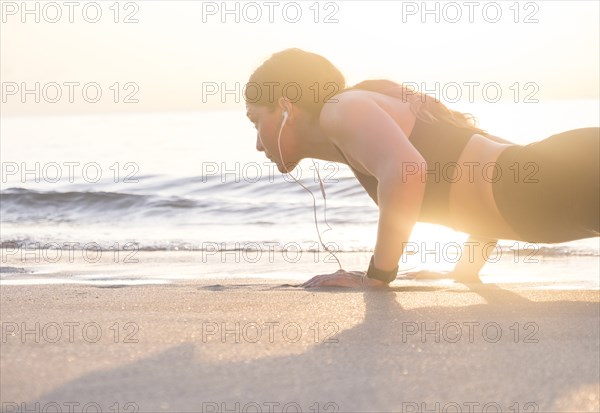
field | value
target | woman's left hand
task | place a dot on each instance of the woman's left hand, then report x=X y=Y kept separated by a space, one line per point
x=433 y=275
x=343 y=278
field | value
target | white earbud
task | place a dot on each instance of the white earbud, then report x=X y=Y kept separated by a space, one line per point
x=285 y=117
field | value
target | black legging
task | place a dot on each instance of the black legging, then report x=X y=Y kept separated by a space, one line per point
x=548 y=191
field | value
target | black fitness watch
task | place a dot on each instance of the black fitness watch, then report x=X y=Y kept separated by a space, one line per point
x=385 y=276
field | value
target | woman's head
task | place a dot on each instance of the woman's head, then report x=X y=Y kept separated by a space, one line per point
x=306 y=80
x=295 y=81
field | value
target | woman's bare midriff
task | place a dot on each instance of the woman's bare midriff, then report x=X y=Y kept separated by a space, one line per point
x=472 y=205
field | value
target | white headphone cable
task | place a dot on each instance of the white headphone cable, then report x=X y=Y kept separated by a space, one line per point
x=313 y=196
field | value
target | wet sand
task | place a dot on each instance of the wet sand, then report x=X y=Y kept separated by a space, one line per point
x=266 y=345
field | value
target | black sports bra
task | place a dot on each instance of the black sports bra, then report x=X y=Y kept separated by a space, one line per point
x=440 y=144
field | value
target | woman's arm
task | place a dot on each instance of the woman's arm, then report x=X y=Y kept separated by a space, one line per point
x=474 y=255
x=368 y=134
x=399 y=201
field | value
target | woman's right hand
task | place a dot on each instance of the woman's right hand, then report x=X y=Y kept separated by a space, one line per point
x=343 y=278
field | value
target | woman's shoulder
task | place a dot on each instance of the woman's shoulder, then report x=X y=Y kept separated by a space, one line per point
x=354 y=105
x=341 y=107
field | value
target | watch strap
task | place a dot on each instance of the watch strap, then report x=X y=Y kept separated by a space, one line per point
x=385 y=276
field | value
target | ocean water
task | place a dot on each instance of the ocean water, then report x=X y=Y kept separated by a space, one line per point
x=194 y=182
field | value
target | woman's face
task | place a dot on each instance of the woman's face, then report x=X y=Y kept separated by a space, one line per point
x=268 y=123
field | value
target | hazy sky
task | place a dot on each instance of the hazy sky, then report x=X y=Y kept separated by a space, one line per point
x=526 y=50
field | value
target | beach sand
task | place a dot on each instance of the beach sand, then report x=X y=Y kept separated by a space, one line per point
x=265 y=345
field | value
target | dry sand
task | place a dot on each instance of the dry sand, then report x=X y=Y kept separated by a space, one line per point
x=262 y=345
